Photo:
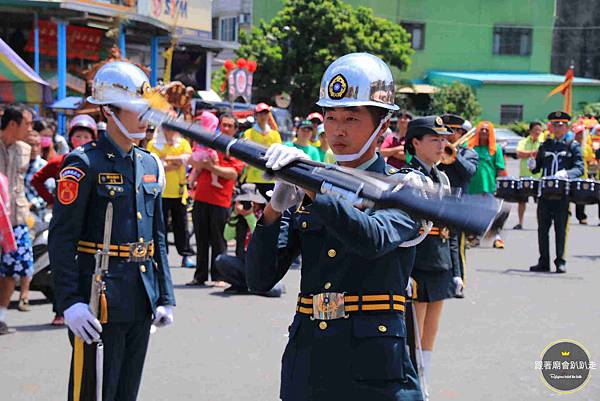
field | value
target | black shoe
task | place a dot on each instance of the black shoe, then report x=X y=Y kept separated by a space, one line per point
x=518 y=227
x=195 y=283
x=561 y=268
x=4 y=329
x=538 y=268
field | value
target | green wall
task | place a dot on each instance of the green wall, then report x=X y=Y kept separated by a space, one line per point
x=459 y=34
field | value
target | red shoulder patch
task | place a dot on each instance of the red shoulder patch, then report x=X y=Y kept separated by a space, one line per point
x=66 y=191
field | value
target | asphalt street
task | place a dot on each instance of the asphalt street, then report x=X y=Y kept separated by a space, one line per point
x=229 y=347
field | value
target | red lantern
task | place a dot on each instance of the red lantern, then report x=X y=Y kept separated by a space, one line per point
x=251 y=66
x=229 y=65
x=241 y=62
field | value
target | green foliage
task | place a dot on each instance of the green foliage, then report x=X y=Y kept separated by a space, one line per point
x=591 y=108
x=217 y=80
x=457 y=98
x=294 y=49
x=520 y=127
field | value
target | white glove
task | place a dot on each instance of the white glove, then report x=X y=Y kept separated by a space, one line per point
x=82 y=323
x=279 y=155
x=285 y=196
x=531 y=163
x=409 y=288
x=458 y=285
x=163 y=316
x=562 y=174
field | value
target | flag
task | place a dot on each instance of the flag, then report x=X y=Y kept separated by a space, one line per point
x=566 y=89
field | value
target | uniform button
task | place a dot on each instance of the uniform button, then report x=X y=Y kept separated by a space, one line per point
x=331 y=253
x=139 y=215
x=327 y=285
x=93 y=144
x=304 y=224
x=137 y=190
x=154 y=190
x=112 y=193
x=323 y=325
x=141 y=239
x=382 y=328
x=143 y=270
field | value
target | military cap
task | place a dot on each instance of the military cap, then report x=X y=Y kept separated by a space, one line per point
x=559 y=117
x=419 y=127
x=453 y=121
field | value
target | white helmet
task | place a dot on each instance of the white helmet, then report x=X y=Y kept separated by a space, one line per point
x=358 y=79
x=123 y=85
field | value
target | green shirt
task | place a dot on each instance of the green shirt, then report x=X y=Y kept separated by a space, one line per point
x=484 y=180
x=310 y=150
x=527 y=145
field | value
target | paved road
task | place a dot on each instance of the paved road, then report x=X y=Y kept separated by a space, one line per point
x=229 y=348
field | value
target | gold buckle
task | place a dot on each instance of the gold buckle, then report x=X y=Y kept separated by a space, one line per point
x=328 y=306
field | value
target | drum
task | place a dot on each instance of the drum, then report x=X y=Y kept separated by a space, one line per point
x=530 y=187
x=584 y=191
x=554 y=188
x=508 y=188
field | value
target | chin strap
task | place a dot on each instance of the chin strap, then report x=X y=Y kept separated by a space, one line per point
x=134 y=135
x=367 y=145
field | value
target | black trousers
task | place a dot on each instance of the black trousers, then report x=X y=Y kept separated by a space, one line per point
x=209 y=223
x=232 y=270
x=125 y=346
x=580 y=212
x=178 y=212
x=551 y=211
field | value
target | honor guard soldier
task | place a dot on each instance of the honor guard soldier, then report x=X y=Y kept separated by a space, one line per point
x=347 y=340
x=436 y=276
x=459 y=164
x=560 y=158
x=98 y=179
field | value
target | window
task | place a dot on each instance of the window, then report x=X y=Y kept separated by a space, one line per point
x=510 y=113
x=417 y=34
x=512 y=40
x=229 y=29
x=215 y=28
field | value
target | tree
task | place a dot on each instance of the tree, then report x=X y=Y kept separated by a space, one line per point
x=456 y=98
x=294 y=49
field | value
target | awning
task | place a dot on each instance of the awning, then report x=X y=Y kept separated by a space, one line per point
x=18 y=82
x=479 y=78
x=419 y=89
x=69 y=103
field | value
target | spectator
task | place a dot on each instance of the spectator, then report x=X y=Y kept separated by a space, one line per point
x=316 y=119
x=46 y=142
x=246 y=212
x=526 y=150
x=305 y=132
x=174 y=152
x=211 y=204
x=36 y=163
x=264 y=135
x=392 y=147
x=491 y=165
x=325 y=152
x=15 y=125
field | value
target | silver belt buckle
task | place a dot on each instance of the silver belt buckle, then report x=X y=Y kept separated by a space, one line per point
x=139 y=251
x=328 y=306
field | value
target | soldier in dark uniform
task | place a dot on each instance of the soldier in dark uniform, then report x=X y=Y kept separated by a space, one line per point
x=138 y=282
x=559 y=158
x=347 y=340
x=459 y=169
x=436 y=276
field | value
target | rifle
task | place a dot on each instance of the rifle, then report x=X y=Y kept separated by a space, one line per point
x=468 y=212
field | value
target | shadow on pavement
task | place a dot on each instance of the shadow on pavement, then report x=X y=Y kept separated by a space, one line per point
x=38 y=327
x=527 y=273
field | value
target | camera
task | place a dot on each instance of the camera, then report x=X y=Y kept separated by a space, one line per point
x=247 y=205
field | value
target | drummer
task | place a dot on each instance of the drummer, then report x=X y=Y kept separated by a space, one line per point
x=560 y=158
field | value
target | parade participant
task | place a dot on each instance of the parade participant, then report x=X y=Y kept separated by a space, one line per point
x=436 y=276
x=587 y=152
x=302 y=142
x=393 y=145
x=556 y=157
x=114 y=174
x=526 y=150
x=491 y=165
x=15 y=125
x=352 y=262
x=459 y=169
x=261 y=133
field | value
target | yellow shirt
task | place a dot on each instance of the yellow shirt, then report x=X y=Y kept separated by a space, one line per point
x=253 y=174
x=175 y=179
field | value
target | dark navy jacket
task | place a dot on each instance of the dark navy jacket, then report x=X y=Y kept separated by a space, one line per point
x=346 y=250
x=463 y=169
x=554 y=155
x=130 y=182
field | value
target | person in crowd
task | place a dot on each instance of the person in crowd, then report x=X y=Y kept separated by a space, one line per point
x=302 y=142
x=210 y=122
x=392 y=147
x=15 y=126
x=174 y=153
x=46 y=139
x=491 y=166
x=59 y=143
x=315 y=119
x=247 y=209
x=36 y=163
x=587 y=152
x=212 y=203
x=263 y=134
x=526 y=150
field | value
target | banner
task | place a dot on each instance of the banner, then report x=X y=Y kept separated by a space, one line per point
x=82 y=42
x=239 y=81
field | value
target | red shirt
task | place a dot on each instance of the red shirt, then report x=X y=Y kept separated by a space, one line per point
x=391 y=141
x=50 y=170
x=207 y=193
